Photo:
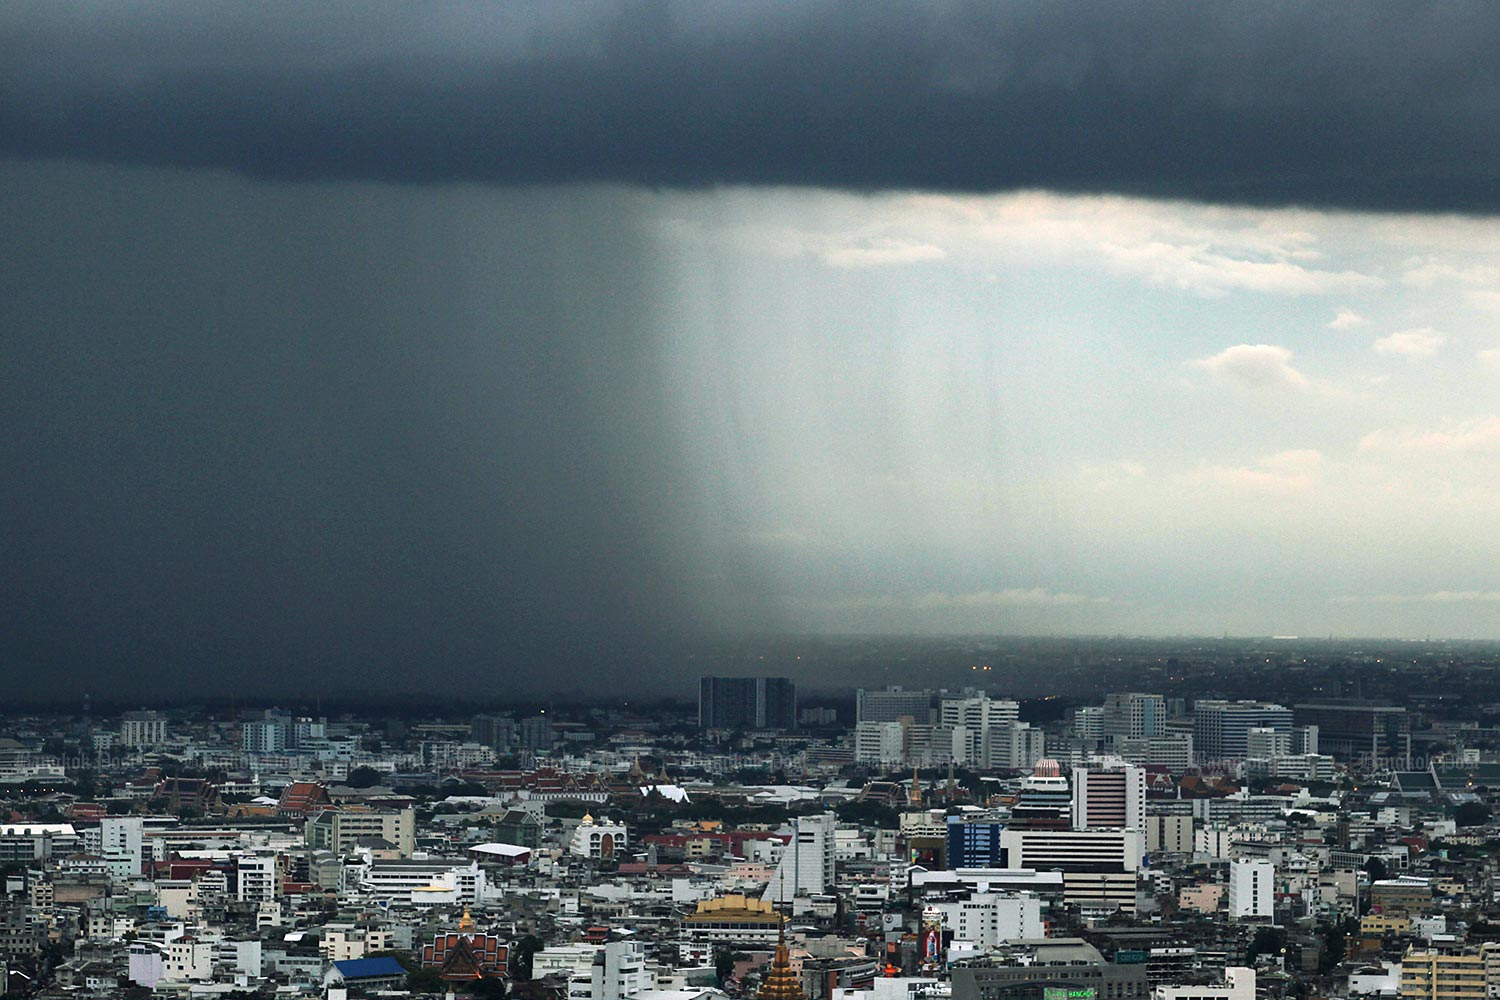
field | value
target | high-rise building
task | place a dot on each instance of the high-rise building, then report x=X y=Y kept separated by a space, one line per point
x=882 y=743
x=1252 y=893
x=1088 y=722
x=143 y=729
x=1221 y=729
x=1109 y=797
x=1351 y=728
x=1012 y=746
x=1132 y=714
x=1267 y=744
x=986 y=919
x=620 y=971
x=307 y=731
x=495 y=731
x=892 y=704
x=1304 y=739
x=263 y=736
x=536 y=733
x=978 y=713
x=1044 y=801
x=1173 y=751
x=1170 y=833
x=975 y=845
x=118 y=840
x=1098 y=866
x=806 y=866
x=747 y=703
x=337 y=830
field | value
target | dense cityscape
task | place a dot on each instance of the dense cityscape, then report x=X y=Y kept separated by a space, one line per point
x=721 y=500
x=1330 y=837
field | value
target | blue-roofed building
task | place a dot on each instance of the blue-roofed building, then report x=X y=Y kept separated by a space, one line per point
x=366 y=972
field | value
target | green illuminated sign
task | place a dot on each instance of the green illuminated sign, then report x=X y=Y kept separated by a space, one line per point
x=1063 y=993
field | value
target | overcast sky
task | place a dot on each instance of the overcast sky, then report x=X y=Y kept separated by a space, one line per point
x=347 y=341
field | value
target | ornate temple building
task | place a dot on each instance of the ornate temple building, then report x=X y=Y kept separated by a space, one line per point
x=466 y=956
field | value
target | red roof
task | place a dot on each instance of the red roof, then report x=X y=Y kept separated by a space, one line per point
x=303 y=798
x=489 y=951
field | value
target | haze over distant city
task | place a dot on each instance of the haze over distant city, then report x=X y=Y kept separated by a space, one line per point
x=352 y=343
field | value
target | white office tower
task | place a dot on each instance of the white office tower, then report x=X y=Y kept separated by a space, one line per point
x=1088 y=722
x=259 y=877
x=619 y=971
x=1251 y=890
x=1132 y=714
x=1267 y=744
x=986 y=919
x=881 y=743
x=117 y=839
x=978 y=713
x=143 y=729
x=1109 y=796
x=1304 y=740
x=1012 y=745
x=806 y=866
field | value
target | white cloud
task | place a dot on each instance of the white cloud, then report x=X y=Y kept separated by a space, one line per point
x=1255 y=366
x=1011 y=597
x=1200 y=250
x=1346 y=319
x=1489 y=358
x=877 y=252
x=1436 y=597
x=1486 y=299
x=1282 y=474
x=1105 y=476
x=1412 y=344
x=1427 y=272
x=1481 y=434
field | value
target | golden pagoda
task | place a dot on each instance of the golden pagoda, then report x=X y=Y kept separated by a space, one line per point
x=781 y=982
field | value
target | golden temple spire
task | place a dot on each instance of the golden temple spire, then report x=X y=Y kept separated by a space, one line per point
x=781 y=982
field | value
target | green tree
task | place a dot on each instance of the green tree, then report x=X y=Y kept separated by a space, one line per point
x=521 y=955
x=1471 y=814
x=1267 y=941
x=868 y=814
x=363 y=777
x=724 y=960
x=425 y=981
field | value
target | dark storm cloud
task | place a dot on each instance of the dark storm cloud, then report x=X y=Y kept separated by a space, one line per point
x=273 y=439
x=1370 y=105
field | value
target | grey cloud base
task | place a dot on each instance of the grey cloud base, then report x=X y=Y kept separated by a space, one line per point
x=1379 y=106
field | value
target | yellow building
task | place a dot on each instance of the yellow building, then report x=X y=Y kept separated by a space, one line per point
x=1430 y=975
x=1401 y=897
x=1381 y=924
x=734 y=918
